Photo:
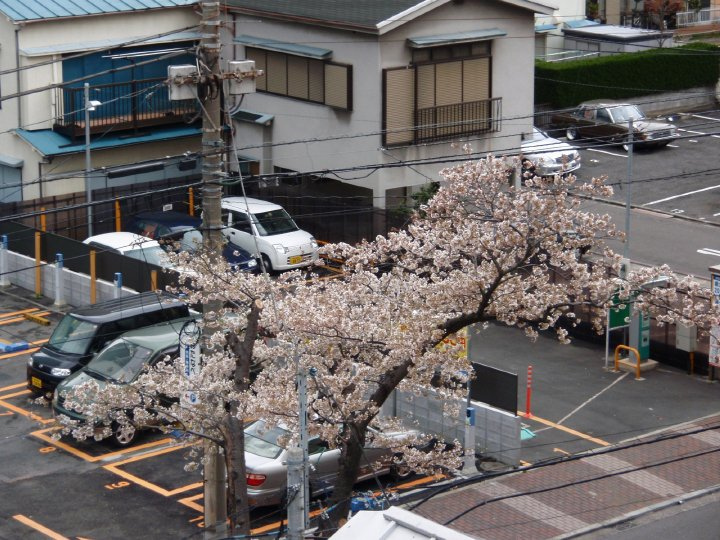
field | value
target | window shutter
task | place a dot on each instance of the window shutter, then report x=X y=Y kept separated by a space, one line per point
x=276 y=73
x=338 y=86
x=476 y=79
x=399 y=106
x=448 y=83
x=316 y=75
x=297 y=83
x=259 y=57
x=426 y=86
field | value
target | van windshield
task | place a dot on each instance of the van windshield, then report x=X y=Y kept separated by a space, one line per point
x=120 y=361
x=72 y=336
x=274 y=222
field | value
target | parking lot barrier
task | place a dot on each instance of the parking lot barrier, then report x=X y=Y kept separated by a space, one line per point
x=59 y=280
x=4 y=279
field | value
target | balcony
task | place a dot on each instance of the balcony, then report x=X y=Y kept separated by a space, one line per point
x=447 y=121
x=127 y=106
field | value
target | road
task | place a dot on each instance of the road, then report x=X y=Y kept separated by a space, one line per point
x=674 y=194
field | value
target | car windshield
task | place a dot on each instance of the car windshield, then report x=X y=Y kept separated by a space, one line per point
x=625 y=113
x=72 y=336
x=120 y=361
x=263 y=441
x=153 y=255
x=274 y=222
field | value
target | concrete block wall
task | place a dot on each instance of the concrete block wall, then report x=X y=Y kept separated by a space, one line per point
x=76 y=286
x=497 y=432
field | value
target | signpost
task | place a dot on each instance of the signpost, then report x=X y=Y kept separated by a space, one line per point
x=617 y=317
x=190 y=351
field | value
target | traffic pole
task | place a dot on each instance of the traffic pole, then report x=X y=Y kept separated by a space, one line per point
x=528 y=392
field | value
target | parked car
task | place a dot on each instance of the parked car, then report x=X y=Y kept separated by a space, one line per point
x=131 y=245
x=83 y=331
x=120 y=363
x=281 y=244
x=266 y=463
x=608 y=121
x=549 y=156
x=171 y=228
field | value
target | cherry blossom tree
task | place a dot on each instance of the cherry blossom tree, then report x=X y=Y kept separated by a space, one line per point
x=479 y=251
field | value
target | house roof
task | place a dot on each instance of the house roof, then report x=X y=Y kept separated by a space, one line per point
x=368 y=15
x=49 y=143
x=36 y=10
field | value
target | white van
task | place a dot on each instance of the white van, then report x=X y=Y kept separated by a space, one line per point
x=132 y=245
x=280 y=243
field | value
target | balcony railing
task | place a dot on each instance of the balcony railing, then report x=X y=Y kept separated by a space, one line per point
x=125 y=106
x=696 y=18
x=447 y=121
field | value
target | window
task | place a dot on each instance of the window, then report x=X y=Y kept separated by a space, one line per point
x=300 y=77
x=446 y=92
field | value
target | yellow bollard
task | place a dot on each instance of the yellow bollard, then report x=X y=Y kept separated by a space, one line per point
x=118 y=220
x=38 y=270
x=93 y=284
x=191 y=201
x=637 y=357
x=153 y=280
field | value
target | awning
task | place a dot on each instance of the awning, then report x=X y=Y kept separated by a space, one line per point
x=9 y=161
x=104 y=44
x=281 y=46
x=580 y=23
x=459 y=37
x=262 y=119
x=541 y=28
x=49 y=143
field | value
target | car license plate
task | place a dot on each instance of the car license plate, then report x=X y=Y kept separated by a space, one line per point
x=36 y=382
x=296 y=259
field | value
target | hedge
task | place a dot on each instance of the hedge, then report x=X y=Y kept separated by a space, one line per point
x=625 y=75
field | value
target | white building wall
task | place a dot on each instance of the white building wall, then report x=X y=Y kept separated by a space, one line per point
x=37 y=110
x=356 y=138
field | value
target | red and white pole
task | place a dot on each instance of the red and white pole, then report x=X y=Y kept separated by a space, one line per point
x=528 y=393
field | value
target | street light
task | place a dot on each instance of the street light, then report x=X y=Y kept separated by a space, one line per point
x=89 y=106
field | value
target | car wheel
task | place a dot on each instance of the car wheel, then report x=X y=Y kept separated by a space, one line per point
x=400 y=471
x=267 y=264
x=571 y=134
x=123 y=434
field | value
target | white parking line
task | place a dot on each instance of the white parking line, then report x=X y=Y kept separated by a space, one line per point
x=709 y=251
x=698 y=133
x=605 y=152
x=705 y=117
x=687 y=194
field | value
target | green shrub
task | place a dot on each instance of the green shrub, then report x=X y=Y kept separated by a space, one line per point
x=565 y=84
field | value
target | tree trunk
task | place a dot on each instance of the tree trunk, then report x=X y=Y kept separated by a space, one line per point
x=237 y=500
x=351 y=454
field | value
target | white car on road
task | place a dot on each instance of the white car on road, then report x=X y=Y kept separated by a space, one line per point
x=267 y=231
x=549 y=156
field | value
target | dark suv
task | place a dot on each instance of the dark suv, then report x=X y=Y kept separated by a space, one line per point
x=172 y=228
x=82 y=332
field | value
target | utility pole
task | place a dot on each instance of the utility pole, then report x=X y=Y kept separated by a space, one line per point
x=204 y=82
x=212 y=145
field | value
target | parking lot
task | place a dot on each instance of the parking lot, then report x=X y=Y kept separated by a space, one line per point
x=682 y=178
x=63 y=488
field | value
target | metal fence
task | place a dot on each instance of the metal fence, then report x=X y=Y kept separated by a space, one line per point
x=709 y=15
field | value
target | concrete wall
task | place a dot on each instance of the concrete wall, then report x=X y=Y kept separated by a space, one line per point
x=76 y=286
x=497 y=432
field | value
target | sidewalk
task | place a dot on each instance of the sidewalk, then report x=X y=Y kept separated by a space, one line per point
x=582 y=494
x=607 y=447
